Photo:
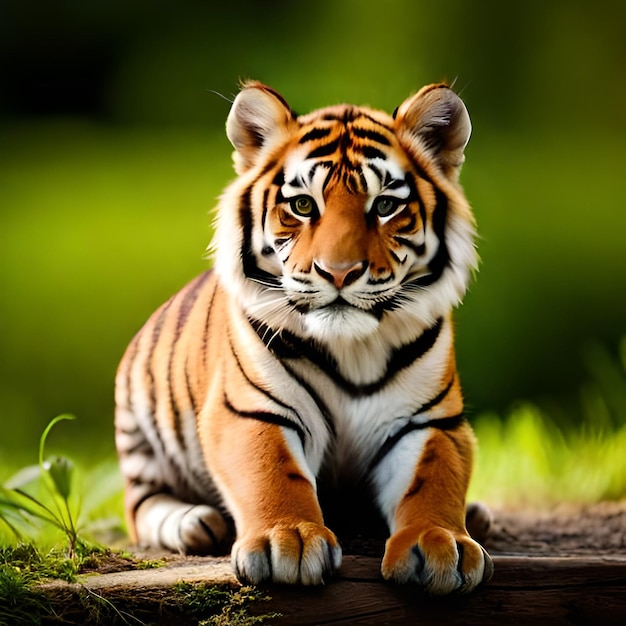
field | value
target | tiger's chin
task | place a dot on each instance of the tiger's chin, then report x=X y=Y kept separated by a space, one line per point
x=340 y=323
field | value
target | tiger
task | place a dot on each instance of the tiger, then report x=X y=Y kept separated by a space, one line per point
x=317 y=352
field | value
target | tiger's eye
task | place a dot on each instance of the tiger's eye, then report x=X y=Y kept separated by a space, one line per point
x=303 y=206
x=384 y=207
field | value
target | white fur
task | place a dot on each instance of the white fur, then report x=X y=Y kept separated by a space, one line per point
x=395 y=472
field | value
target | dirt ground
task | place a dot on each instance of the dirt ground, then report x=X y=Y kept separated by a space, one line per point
x=567 y=530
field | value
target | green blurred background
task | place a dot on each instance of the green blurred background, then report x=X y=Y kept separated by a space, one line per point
x=112 y=153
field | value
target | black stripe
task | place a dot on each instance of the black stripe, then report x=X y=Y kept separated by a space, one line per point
x=248 y=260
x=129 y=371
x=316 y=133
x=329 y=165
x=396 y=184
x=437 y=399
x=286 y=345
x=366 y=133
x=321 y=405
x=161 y=488
x=245 y=219
x=406 y=355
x=125 y=431
x=376 y=171
x=422 y=210
x=267 y=417
x=301 y=552
x=369 y=152
x=142 y=446
x=441 y=423
x=324 y=150
x=395 y=257
x=184 y=310
x=265 y=392
x=359 y=170
x=209 y=531
x=377 y=122
x=261 y=330
x=279 y=178
x=156 y=333
x=207 y=323
x=192 y=399
x=441 y=260
x=440 y=216
x=418 y=249
x=331 y=170
x=266 y=194
x=439 y=221
x=409 y=228
x=347 y=116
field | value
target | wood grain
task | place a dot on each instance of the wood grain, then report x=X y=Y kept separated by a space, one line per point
x=524 y=590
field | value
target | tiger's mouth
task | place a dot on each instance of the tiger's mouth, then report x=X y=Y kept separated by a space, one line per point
x=340 y=320
x=338 y=305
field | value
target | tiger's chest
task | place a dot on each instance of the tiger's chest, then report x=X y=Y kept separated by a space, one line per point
x=367 y=393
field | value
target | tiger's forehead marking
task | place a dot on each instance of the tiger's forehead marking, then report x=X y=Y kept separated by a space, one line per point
x=355 y=151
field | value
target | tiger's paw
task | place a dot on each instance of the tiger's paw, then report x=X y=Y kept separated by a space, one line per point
x=201 y=530
x=437 y=559
x=478 y=521
x=163 y=521
x=303 y=553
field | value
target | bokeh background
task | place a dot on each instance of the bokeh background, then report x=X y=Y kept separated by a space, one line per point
x=112 y=153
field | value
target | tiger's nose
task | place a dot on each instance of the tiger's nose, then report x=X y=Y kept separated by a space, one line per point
x=340 y=274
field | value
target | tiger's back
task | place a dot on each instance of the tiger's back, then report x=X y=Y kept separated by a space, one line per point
x=320 y=347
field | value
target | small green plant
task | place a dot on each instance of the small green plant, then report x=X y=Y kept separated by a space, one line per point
x=51 y=504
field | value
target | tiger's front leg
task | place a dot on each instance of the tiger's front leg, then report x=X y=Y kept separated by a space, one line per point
x=421 y=486
x=270 y=491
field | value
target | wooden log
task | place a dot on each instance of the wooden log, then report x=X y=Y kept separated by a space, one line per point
x=532 y=590
x=524 y=590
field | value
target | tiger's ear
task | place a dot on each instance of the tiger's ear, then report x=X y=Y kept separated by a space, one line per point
x=258 y=120
x=438 y=121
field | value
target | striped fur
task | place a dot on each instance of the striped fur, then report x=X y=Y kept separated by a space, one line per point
x=319 y=348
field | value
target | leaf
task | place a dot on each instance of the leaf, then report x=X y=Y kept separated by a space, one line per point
x=23 y=477
x=60 y=470
x=44 y=436
x=23 y=507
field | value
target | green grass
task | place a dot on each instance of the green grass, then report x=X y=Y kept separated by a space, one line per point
x=526 y=461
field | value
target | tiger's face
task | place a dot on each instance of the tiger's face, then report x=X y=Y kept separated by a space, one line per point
x=348 y=218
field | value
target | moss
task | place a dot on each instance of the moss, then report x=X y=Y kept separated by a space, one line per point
x=28 y=561
x=222 y=606
x=41 y=588
x=18 y=604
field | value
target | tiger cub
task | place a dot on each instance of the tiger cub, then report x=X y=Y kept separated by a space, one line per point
x=318 y=351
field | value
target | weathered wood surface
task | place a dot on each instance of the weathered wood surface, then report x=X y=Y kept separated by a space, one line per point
x=524 y=590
